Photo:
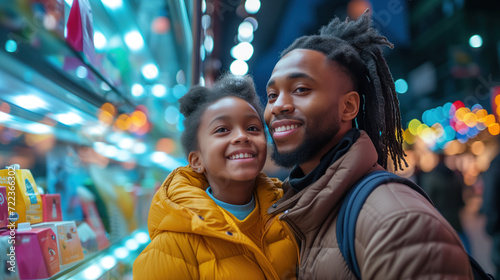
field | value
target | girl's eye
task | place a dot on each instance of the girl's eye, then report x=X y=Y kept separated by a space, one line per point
x=253 y=128
x=221 y=129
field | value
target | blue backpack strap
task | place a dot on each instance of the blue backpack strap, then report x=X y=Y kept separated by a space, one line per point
x=349 y=212
x=351 y=206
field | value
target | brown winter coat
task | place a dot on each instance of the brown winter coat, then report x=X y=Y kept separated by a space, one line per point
x=399 y=234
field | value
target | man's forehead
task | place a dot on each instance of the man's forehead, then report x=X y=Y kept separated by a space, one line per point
x=300 y=56
x=301 y=61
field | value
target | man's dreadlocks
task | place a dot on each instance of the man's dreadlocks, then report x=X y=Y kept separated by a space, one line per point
x=355 y=45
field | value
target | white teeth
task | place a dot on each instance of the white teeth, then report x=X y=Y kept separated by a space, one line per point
x=241 y=155
x=286 y=128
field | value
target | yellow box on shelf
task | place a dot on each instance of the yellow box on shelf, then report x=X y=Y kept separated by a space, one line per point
x=23 y=199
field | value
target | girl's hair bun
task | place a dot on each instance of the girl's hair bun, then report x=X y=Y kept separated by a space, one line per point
x=192 y=99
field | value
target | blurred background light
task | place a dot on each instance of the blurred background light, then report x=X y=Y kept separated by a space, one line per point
x=134 y=40
x=92 y=272
x=159 y=90
x=252 y=6
x=121 y=253
x=172 y=115
x=11 y=46
x=245 y=29
x=248 y=39
x=139 y=148
x=38 y=128
x=401 y=86
x=242 y=51
x=100 y=40
x=209 y=43
x=179 y=91
x=81 y=72
x=239 y=67
x=113 y=4
x=30 y=102
x=69 y=118
x=108 y=262
x=142 y=237
x=476 y=41
x=132 y=244
x=137 y=90
x=150 y=71
x=253 y=21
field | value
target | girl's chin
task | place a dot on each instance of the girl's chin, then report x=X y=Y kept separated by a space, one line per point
x=244 y=176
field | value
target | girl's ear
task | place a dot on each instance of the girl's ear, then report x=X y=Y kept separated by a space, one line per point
x=196 y=162
x=350 y=106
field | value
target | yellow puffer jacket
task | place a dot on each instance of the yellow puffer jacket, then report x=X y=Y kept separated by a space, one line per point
x=193 y=238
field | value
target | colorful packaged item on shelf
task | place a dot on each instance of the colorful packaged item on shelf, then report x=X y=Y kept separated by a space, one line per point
x=70 y=248
x=87 y=238
x=51 y=207
x=36 y=253
x=94 y=221
x=4 y=209
x=23 y=192
x=8 y=269
x=51 y=14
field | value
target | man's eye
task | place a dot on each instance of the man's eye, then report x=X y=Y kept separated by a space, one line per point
x=272 y=96
x=302 y=89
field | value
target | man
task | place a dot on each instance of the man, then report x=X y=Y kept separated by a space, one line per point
x=323 y=87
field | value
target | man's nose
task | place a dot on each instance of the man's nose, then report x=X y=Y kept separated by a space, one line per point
x=283 y=105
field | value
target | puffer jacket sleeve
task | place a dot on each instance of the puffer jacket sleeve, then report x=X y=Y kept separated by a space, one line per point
x=400 y=235
x=168 y=256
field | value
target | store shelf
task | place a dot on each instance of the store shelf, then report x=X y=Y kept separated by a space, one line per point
x=99 y=264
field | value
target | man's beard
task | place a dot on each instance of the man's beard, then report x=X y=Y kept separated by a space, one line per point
x=312 y=144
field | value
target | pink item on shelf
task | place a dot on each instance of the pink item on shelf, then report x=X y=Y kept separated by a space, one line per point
x=4 y=209
x=51 y=204
x=68 y=240
x=80 y=34
x=94 y=220
x=87 y=238
x=36 y=252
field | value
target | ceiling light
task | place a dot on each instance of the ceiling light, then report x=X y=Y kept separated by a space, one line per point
x=30 y=102
x=113 y=4
x=134 y=40
x=68 y=118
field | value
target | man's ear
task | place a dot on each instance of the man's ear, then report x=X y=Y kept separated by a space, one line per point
x=196 y=162
x=350 y=106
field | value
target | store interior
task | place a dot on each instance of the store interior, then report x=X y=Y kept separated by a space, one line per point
x=90 y=124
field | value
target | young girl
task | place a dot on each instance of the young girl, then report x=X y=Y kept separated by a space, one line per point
x=209 y=219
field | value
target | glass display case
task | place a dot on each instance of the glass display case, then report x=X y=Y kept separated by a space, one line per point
x=97 y=127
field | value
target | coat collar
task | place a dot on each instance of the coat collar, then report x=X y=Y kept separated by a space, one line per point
x=308 y=209
x=182 y=205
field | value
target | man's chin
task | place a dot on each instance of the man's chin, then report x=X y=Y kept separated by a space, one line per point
x=288 y=159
